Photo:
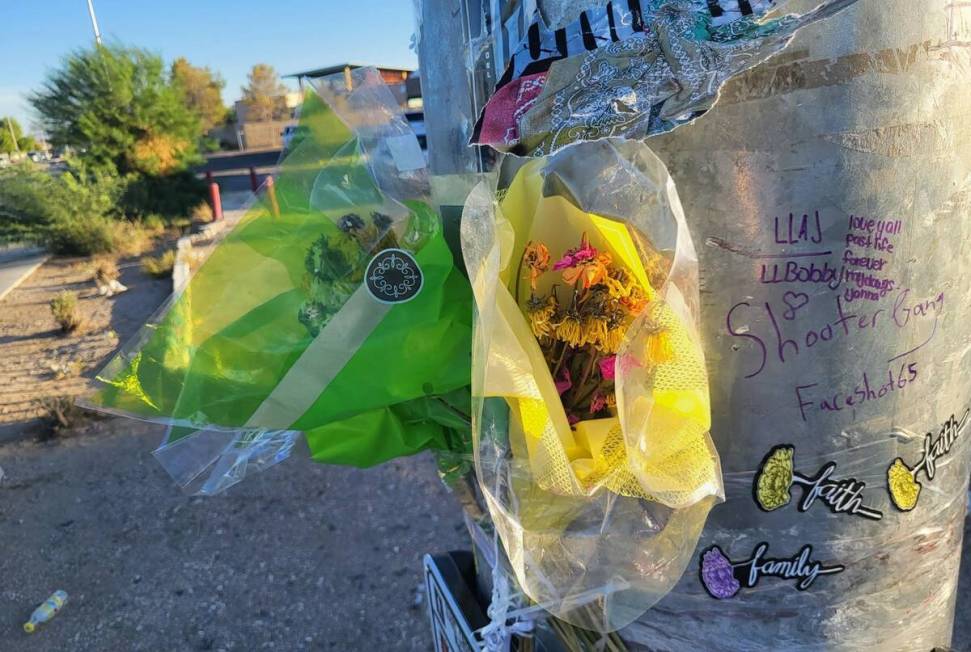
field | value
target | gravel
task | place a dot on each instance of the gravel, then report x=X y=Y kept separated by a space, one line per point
x=299 y=557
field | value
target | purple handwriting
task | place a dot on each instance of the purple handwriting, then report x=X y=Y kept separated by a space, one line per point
x=877 y=228
x=867 y=390
x=868 y=233
x=847 y=322
x=866 y=286
x=796 y=272
x=803 y=229
x=865 y=262
x=857 y=272
x=869 y=242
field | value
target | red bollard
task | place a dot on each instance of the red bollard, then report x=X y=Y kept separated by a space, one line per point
x=271 y=195
x=215 y=201
x=254 y=181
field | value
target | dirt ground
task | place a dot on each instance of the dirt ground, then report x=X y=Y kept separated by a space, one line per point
x=33 y=348
x=299 y=557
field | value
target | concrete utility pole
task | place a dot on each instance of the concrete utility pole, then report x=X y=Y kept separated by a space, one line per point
x=94 y=23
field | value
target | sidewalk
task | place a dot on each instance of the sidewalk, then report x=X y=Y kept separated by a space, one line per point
x=16 y=265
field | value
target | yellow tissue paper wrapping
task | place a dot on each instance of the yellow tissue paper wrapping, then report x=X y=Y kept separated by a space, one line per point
x=598 y=519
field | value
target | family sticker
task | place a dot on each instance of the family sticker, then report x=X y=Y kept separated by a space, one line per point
x=776 y=477
x=724 y=578
x=902 y=479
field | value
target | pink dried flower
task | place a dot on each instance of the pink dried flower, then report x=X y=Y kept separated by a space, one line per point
x=608 y=367
x=564 y=382
x=582 y=254
x=598 y=403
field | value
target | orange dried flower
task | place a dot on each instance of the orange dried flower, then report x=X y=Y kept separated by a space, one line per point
x=635 y=302
x=590 y=273
x=537 y=259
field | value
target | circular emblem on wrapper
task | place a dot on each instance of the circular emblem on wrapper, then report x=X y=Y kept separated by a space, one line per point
x=393 y=276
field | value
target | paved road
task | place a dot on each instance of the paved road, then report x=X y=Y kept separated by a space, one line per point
x=231 y=169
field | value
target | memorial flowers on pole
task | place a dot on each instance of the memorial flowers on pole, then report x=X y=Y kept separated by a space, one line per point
x=590 y=394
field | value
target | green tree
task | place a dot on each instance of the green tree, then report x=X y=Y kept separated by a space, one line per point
x=264 y=96
x=202 y=90
x=120 y=111
x=15 y=141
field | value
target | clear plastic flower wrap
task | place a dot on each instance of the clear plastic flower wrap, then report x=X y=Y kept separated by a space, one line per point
x=332 y=309
x=590 y=395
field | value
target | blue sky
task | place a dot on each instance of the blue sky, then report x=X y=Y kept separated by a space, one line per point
x=227 y=36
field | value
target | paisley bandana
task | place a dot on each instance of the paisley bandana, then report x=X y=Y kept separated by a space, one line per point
x=654 y=81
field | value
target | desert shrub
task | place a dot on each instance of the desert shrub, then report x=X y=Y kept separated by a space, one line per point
x=72 y=214
x=183 y=224
x=78 y=213
x=160 y=266
x=133 y=239
x=79 y=236
x=25 y=209
x=105 y=270
x=84 y=191
x=87 y=213
x=64 y=308
x=61 y=414
x=154 y=224
x=201 y=212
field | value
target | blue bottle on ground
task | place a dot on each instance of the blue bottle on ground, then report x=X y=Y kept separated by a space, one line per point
x=46 y=611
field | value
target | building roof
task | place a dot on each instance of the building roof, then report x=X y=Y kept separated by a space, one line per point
x=330 y=70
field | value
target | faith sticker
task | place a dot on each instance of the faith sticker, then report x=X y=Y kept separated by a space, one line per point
x=723 y=578
x=393 y=276
x=902 y=479
x=776 y=476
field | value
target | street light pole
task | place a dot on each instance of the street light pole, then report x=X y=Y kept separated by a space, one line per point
x=94 y=23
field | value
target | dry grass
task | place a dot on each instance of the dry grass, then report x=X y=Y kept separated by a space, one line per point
x=133 y=240
x=105 y=270
x=64 y=308
x=202 y=212
x=159 y=266
x=63 y=368
x=61 y=414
